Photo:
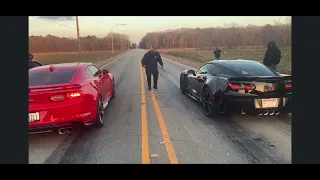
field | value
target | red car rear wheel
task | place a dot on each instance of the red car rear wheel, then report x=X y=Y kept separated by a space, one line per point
x=100 y=114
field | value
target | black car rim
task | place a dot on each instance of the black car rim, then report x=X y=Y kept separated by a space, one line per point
x=101 y=111
x=207 y=102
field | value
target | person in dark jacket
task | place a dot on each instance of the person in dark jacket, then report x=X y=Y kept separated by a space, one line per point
x=32 y=63
x=30 y=57
x=150 y=62
x=217 y=53
x=272 y=56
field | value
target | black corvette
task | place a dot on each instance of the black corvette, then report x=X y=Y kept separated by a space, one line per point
x=238 y=85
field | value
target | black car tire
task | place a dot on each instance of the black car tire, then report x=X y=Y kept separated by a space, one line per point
x=210 y=108
x=98 y=123
x=113 y=90
x=182 y=86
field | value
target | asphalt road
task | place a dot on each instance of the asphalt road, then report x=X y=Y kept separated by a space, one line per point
x=164 y=126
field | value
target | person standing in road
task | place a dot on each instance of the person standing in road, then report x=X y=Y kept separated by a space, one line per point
x=150 y=62
x=272 y=56
x=217 y=53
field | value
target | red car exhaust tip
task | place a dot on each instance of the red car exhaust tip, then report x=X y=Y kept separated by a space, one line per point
x=70 y=130
x=62 y=131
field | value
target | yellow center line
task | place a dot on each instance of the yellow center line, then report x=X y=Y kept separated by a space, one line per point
x=165 y=135
x=144 y=128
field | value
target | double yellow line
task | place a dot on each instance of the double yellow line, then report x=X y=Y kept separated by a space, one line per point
x=144 y=126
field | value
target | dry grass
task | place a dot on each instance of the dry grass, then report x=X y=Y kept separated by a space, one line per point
x=66 y=57
x=196 y=57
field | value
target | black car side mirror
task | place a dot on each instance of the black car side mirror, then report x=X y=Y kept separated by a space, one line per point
x=105 y=71
x=190 y=71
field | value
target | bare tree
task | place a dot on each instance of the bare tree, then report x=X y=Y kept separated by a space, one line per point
x=231 y=37
x=50 y=43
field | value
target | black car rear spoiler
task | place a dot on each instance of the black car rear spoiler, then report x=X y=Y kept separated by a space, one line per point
x=266 y=78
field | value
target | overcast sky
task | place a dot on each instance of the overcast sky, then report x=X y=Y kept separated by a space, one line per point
x=135 y=26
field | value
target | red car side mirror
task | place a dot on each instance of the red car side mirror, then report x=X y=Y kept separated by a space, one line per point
x=105 y=71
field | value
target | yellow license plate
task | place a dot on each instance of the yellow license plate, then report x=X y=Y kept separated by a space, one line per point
x=33 y=117
x=270 y=103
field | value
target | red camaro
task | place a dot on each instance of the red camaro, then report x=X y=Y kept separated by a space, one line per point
x=64 y=95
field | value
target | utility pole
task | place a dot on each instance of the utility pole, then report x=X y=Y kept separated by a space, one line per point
x=112 y=41
x=121 y=41
x=78 y=35
x=157 y=40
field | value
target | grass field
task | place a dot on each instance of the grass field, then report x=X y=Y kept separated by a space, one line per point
x=67 y=57
x=196 y=57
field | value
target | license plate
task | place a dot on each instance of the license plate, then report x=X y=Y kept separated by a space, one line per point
x=270 y=103
x=33 y=117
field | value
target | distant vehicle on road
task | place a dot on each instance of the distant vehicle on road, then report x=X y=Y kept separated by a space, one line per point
x=238 y=85
x=64 y=95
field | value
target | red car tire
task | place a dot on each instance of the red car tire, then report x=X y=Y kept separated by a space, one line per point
x=99 y=114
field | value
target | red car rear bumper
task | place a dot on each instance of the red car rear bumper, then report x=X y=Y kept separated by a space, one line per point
x=51 y=118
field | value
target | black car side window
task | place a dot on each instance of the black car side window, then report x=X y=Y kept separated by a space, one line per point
x=202 y=70
x=216 y=70
x=213 y=69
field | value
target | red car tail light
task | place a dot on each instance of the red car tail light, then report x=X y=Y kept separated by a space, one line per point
x=57 y=98
x=70 y=95
x=74 y=95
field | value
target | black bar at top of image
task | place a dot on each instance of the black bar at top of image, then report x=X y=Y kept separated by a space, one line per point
x=14 y=90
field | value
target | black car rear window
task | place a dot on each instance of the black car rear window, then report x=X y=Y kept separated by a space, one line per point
x=58 y=76
x=251 y=68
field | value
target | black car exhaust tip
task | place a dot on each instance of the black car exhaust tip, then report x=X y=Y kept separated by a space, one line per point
x=70 y=130
x=277 y=112
x=265 y=113
x=271 y=113
x=259 y=113
x=62 y=131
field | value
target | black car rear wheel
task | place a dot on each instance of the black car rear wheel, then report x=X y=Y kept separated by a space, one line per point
x=182 y=86
x=210 y=107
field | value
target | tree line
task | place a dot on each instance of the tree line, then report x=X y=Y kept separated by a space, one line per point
x=231 y=38
x=51 y=43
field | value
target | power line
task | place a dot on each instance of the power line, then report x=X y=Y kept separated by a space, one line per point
x=103 y=23
x=59 y=24
x=53 y=22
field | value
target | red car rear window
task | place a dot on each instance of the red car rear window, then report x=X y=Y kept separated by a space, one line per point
x=39 y=78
